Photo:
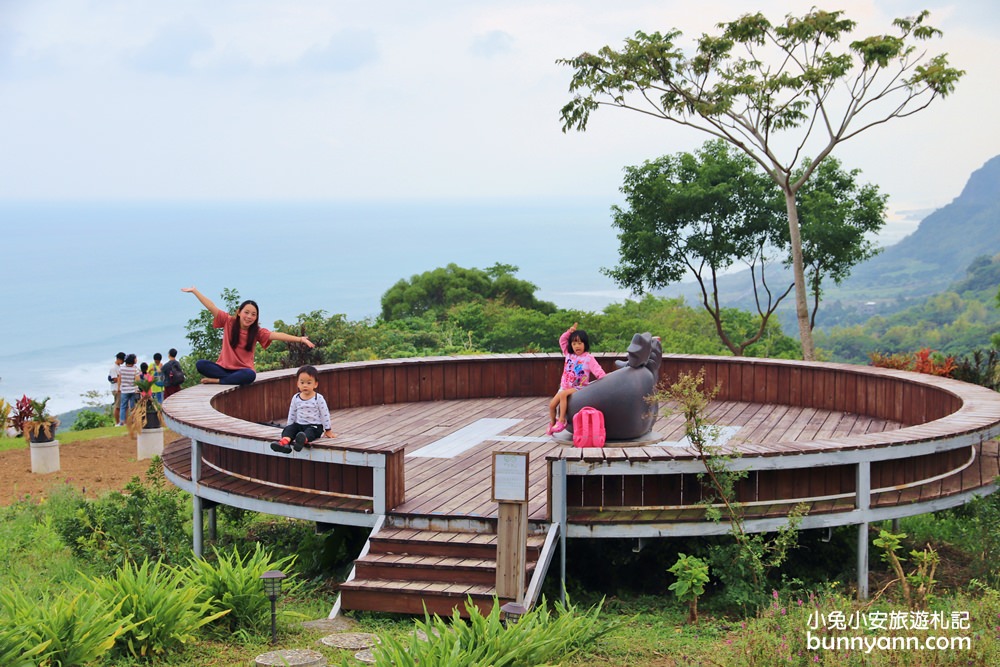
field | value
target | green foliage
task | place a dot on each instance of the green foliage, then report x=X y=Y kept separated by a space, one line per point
x=5 y=411
x=88 y=419
x=775 y=113
x=838 y=220
x=231 y=587
x=700 y=213
x=958 y=322
x=537 y=638
x=692 y=575
x=147 y=521
x=166 y=610
x=205 y=339
x=743 y=566
x=434 y=292
x=71 y=629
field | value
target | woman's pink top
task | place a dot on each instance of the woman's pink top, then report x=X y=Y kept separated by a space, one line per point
x=578 y=367
x=233 y=359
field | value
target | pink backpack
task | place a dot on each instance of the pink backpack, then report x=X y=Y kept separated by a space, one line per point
x=588 y=428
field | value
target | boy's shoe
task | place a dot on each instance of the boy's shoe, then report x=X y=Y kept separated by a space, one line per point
x=300 y=441
x=282 y=446
x=560 y=426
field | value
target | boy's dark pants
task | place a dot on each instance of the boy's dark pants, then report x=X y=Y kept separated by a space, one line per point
x=312 y=431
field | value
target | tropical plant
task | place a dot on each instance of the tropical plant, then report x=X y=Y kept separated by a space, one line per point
x=538 y=637
x=39 y=424
x=5 y=411
x=21 y=413
x=231 y=586
x=138 y=417
x=73 y=629
x=167 y=610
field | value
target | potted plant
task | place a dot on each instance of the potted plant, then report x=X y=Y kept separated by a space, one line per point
x=39 y=425
x=5 y=410
x=146 y=413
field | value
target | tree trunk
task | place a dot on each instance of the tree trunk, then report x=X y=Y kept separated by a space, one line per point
x=799 y=274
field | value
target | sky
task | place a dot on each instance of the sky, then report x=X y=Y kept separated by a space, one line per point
x=336 y=100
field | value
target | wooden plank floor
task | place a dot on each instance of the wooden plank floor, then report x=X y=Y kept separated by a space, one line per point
x=459 y=484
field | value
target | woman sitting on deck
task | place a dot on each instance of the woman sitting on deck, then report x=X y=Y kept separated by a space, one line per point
x=241 y=333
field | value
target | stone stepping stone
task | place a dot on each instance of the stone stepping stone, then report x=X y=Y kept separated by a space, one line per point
x=365 y=656
x=350 y=640
x=292 y=657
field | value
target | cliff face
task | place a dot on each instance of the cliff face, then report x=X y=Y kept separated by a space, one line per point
x=943 y=245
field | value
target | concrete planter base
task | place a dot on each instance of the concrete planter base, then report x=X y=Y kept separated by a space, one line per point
x=44 y=457
x=149 y=443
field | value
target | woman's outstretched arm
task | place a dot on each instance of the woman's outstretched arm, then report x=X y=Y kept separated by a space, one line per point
x=205 y=301
x=288 y=338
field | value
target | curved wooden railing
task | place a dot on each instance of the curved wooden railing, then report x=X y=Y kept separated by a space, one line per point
x=942 y=421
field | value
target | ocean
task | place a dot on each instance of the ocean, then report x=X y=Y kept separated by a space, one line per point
x=84 y=280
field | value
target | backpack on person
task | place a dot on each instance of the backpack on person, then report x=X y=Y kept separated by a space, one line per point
x=588 y=428
x=174 y=374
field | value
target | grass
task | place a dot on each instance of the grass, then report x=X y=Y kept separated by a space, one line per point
x=68 y=437
x=652 y=631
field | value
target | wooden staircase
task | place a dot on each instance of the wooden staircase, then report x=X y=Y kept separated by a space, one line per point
x=406 y=569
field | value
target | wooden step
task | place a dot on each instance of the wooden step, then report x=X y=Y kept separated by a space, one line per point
x=408 y=569
x=430 y=568
x=401 y=597
x=443 y=543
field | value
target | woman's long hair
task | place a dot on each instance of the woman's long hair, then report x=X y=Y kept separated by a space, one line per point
x=234 y=333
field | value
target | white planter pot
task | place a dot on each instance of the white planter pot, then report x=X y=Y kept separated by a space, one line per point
x=44 y=457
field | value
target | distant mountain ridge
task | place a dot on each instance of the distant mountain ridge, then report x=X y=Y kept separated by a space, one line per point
x=925 y=262
x=941 y=248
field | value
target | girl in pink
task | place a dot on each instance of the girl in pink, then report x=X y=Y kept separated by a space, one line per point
x=580 y=364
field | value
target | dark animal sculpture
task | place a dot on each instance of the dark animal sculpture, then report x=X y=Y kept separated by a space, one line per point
x=622 y=394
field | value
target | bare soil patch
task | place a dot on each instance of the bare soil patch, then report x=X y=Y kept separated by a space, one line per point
x=94 y=467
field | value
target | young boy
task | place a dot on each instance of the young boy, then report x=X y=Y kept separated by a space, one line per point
x=308 y=416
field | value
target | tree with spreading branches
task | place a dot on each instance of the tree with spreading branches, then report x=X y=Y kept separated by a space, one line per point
x=776 y=91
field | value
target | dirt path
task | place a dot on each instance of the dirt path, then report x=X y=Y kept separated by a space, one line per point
x=94 y=467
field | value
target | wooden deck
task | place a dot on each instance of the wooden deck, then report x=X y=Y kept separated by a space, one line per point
x=417 y=436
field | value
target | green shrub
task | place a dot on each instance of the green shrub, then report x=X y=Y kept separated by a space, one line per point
x=231 y=585
x=166 y=609
x=73 y=629
x=536 y=638
x=147 y=520
x=325 y=554
x=88 y=419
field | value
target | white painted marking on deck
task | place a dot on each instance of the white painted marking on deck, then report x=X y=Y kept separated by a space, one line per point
x=465 y=438
x=725 y=433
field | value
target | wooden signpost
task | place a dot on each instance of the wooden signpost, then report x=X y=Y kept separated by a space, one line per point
x=510 y=490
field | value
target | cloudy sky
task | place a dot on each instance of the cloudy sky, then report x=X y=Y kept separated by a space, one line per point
x=328 y=99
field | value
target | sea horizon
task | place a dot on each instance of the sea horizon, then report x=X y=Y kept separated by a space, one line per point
x=101 y=277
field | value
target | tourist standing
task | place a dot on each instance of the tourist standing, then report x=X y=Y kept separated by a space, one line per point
x=113 y=379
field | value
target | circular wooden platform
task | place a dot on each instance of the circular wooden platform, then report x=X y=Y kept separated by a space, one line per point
x=416 y=438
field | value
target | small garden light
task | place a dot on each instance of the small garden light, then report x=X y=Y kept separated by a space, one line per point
x=512 y=612
x=272 y=588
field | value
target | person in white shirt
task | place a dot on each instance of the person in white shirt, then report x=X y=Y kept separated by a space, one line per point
x=113 y=379
x=308 y=415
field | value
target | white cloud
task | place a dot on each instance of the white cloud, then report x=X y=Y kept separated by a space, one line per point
x=319 y=99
